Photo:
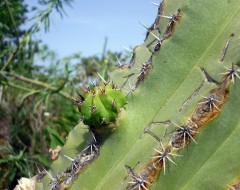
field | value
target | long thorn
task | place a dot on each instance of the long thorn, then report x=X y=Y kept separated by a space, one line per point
x=156 y=4
x=143 y=25
x=127 y=49
x=120 y=64
x=157 y=38
x=101 y=77
x=171 y=160
x=67 y=157
x=164 y=166
x=168 y=17
x=48 y=173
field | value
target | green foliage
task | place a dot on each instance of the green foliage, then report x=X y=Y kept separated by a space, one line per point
x=13 y=165
x=24 y=127
x=32 y=95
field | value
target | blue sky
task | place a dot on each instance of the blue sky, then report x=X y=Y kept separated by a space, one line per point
x=88 y=22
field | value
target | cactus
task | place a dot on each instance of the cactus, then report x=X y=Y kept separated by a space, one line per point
x=170 y=86
x=100 y=108
x=101 y=105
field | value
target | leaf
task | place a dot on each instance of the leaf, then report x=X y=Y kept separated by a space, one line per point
x=29 y=94
x=55 y=137
x=43 y=159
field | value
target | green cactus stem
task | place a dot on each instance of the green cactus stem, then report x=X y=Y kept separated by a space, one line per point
x=100 y=106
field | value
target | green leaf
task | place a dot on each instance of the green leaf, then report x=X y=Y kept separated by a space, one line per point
x=43 y=159
x=29 y=94
x=55 y=137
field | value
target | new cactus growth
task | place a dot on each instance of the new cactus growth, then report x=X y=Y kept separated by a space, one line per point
x=100 y=106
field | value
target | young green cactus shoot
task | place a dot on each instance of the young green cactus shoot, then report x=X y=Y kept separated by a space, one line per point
x=100 y=106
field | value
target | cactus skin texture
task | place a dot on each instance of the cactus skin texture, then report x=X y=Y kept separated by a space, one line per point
x=194 y=40
x=101 y=105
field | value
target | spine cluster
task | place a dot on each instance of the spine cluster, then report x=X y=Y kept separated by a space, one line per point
x=100 y=106
x=207 y=109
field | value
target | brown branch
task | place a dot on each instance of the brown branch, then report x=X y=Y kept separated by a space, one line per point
x=10 y=58
x=38 y=83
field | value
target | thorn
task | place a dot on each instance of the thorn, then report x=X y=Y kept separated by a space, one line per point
x=143 y=25
x=93 y=109
x=48 y=173
x=191 y=137
x=177 y=125
x=131 y=88
x=101 y=77
x=71 y=159
x=163 y=155
x=119 y=62
x=114 y=103
x=94 y=138
x=231 y=187
x=167 y=17
x=174 y=154
x=157 y=38
x=81 y=120
x=210 y=100
x=103 y=121
x=92 y=83
x=81 y=96
x=88 y=89
x=184 y=131
x=233 y=72
x=156 y=4
x=102 y=90
x=138 y=182
x=127 y=49
x=37 y=168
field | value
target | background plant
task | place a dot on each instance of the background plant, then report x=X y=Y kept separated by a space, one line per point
x=34 y=86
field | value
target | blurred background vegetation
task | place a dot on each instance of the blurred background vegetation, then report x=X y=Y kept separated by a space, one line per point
x=37 y=88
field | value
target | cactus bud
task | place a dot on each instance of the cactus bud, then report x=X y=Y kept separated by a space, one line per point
x=101 y=105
